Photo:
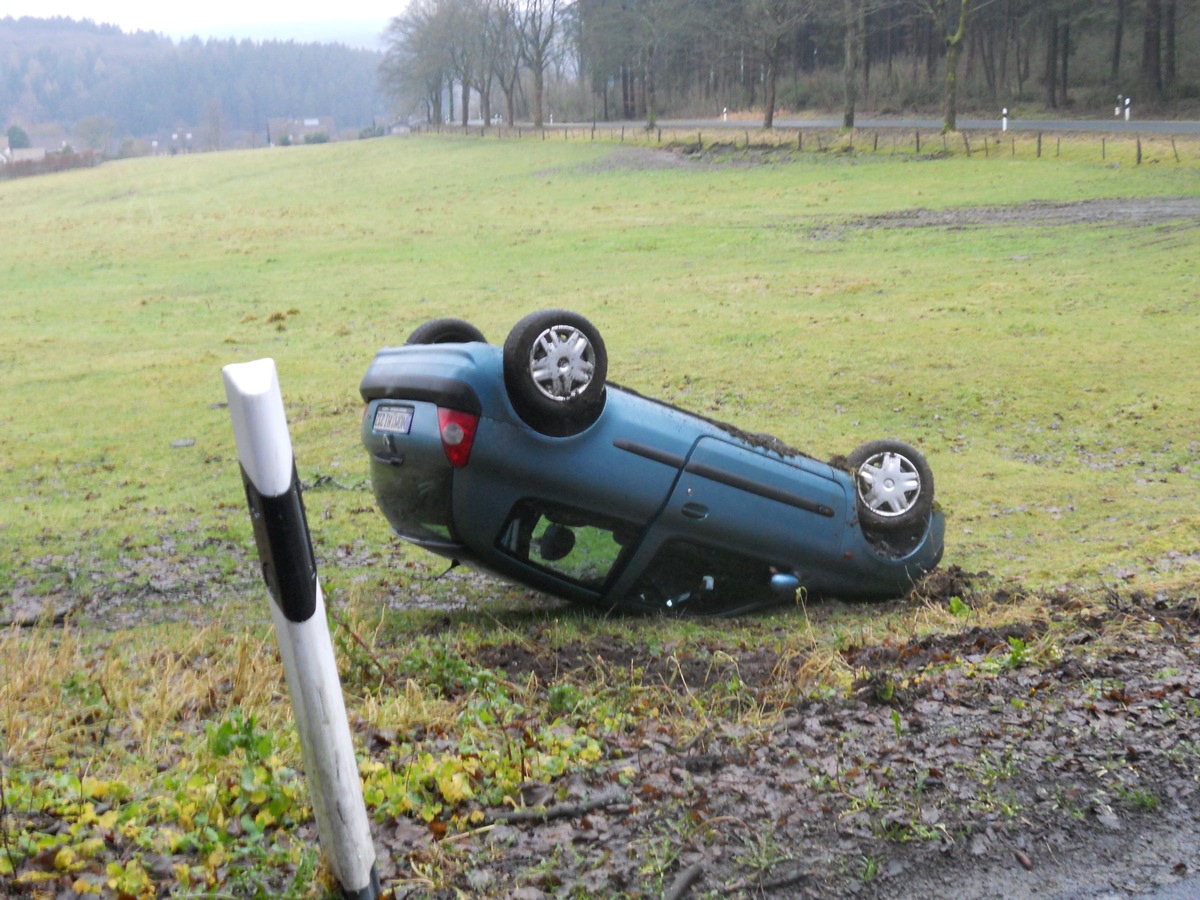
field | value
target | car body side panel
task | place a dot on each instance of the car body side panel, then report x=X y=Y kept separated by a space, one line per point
x=745 y=500
x=742 y=500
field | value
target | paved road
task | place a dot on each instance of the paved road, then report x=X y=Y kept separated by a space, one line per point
x=1112 y=125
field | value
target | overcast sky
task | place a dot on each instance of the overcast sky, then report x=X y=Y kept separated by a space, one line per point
x=347 y=21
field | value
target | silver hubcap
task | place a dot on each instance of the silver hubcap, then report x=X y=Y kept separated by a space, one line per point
x=561 y=362
x=889 y=484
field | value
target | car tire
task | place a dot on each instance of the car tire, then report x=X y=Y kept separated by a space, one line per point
x=893 y=485
x=446 y=331
x=555 y=364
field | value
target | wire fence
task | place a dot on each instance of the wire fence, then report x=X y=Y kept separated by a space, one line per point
x=1116 y=148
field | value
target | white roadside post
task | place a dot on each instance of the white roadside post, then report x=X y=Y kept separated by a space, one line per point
x=1004 y=119
x=1126 y=109
x=298 y=611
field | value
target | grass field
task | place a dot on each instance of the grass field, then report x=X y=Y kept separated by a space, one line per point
x=1048 y=371
x=1015 y=356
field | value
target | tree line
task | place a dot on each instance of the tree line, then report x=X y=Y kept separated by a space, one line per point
x=641 y=59
x=101 y=83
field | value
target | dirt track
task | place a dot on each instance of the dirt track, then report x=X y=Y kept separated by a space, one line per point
x=1116 y=211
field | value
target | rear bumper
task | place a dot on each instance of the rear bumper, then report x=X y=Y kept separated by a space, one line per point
x=449 y=393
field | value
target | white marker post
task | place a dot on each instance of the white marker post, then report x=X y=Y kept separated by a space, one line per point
x=1126 y=109
x=298 y=611
x=1004 y=119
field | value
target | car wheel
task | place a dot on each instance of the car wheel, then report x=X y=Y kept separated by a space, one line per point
x=893 y=484
x=555 y=364
x=446 y=331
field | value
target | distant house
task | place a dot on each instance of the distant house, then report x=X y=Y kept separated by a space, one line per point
x=282 y=132
x=27 y=154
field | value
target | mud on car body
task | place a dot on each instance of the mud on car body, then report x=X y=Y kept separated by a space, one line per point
x=525 y=461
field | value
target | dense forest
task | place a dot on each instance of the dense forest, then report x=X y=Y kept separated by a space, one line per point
x=633 y=59
x=102 y=85
x=477 y=60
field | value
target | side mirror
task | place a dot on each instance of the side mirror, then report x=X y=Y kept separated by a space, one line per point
x=557 y=541
x=784 y=585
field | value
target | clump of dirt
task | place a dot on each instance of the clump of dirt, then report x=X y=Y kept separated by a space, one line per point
x=943 y=584
x=973 y=643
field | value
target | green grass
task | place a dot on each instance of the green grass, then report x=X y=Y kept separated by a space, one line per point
x=1048 y=372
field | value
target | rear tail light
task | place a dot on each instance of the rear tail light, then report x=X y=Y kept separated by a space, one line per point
x=458 y=434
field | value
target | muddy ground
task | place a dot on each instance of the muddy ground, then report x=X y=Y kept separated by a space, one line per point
x=956 y=769
x=970 y=764
x=1180 y=211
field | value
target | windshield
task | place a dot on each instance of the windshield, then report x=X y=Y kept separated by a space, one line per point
x=704 y=579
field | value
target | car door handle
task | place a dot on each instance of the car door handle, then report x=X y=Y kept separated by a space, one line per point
x=695 y=510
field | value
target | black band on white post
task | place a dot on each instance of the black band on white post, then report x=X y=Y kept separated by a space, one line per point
x=285 y=548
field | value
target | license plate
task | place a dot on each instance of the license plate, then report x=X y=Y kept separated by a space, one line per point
x=393 y=419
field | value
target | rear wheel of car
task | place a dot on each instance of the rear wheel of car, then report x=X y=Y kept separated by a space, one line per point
x=446 y=331
x=893 y=484
x=555 y=364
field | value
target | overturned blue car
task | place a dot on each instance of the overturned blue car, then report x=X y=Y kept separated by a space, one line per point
x=526 y=462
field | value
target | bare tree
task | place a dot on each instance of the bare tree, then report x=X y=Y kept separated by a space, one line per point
x=855 y=13
x=1169 y=25
x=624 y=42
x=1152 y=21
x=653 y=22
x=950 y=18
x=506 y=60
x=1118 y=37
x=490 y=35
x=538 y=21
x=769 y=24
x=1050 y=75
x=415 y=68
x=464 y=40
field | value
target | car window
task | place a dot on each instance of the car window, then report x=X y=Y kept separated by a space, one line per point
x=580 y=546
x=687 y=575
